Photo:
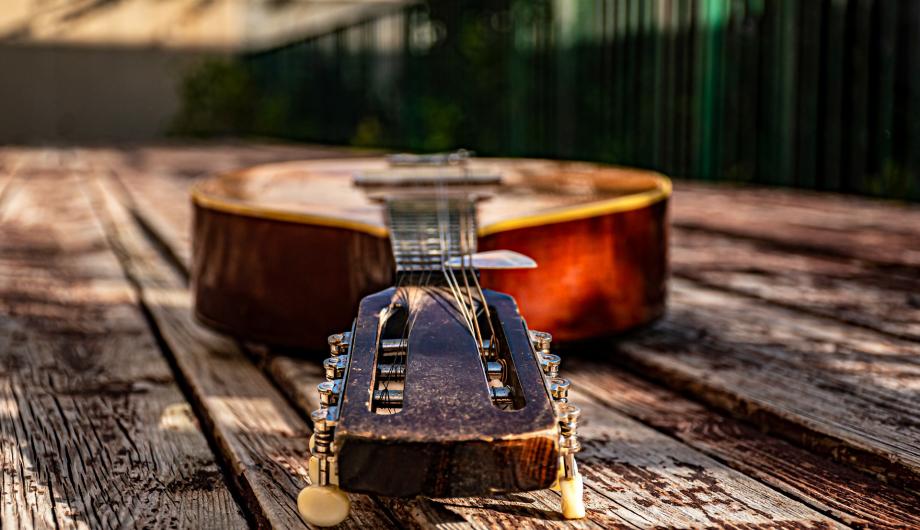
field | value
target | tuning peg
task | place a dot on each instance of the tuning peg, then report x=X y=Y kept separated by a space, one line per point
x=329 y=392
x=501 y=394
x=391 y=372
x=335 y=367
x=323 y=505
x=391 y=347
x=571 y=484
x=541 y=340
x=549 y=362
x=339 y=343
x=568 y=426
x=559 y=389
x=495 y=370
x=323 y=419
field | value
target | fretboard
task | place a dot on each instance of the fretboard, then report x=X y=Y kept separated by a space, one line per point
x=426 y=232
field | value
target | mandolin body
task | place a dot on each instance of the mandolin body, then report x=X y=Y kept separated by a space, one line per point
x=284 y=253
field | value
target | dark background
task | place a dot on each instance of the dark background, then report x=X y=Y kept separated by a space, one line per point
x=820 y=94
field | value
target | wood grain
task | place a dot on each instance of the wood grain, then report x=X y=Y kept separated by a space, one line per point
x=821 y=384
x=640 y=477
x=883 y=235
x=448 y=426
x=95 y=432
x=258 y=433
x=838 y=389
x=629 y=500
x=843 y=289
x=849 y=496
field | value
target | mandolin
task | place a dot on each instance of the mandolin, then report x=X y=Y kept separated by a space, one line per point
x=439 y=368
x=283 y=253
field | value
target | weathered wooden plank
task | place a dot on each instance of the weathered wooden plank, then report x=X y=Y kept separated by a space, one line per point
x=261 y=436
x=849 y=496
x=632 y=500
x=839 y=389
x=846 y=290
x=94 y=431
x=159 y=177
x=797 y=413
x=167 y=210
x=786 y=205
x=633 y=474
x=298 y=379
x=884 y=234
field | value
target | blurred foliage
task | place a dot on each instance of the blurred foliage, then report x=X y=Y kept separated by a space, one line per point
x=217 y=99
x=822 y=94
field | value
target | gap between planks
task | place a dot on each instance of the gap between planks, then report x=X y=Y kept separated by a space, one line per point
x=848 y=495
x=821 y=358
x=881 y=234
x=842 y=391
x=651 y=478
x=262 y=438
x=89 y=439
x=844 y=290
x=535 y=510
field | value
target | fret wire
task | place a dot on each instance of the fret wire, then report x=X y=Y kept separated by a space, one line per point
x=408 y=218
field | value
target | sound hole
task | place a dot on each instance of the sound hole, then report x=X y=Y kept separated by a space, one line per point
x=390 y=366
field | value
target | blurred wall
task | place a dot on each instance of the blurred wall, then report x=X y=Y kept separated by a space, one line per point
x=109 y=70
x=54 y=93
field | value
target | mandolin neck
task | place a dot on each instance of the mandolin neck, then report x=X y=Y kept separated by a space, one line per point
x=425 y=232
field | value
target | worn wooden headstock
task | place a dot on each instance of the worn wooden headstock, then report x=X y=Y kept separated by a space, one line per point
x=419 y=390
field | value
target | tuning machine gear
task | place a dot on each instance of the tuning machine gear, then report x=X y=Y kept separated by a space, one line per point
x=322 y=503
x=569 y=481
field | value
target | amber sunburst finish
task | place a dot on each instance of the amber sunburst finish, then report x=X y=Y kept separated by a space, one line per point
x=283 y=253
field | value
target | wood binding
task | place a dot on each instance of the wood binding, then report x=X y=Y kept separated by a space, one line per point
x=283 y=253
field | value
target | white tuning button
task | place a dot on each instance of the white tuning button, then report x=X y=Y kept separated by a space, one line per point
x=570 y=481
x=573 y=501
x=323 y=505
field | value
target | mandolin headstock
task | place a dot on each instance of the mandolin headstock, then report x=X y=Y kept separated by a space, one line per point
x=418 y=389
x=440 y=389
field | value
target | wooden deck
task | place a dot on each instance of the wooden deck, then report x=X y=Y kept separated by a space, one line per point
x=782 y=389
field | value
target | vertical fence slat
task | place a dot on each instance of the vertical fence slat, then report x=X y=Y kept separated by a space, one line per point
x=809 y=31
x=819 y=93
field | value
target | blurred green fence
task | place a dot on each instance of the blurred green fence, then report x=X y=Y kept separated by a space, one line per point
x=820 y=94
